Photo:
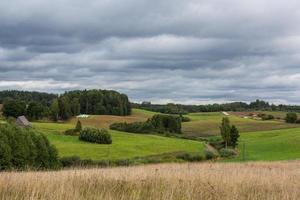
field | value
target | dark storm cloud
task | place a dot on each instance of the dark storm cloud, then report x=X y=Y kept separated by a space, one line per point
x=191 y=51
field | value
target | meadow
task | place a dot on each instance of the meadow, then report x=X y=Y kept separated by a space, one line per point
x=270 y=145
x=124 y=146
x=207 y=124
x=243 y=181
x=260 y=140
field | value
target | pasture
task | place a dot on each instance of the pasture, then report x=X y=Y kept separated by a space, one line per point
x=207 y=124
x=270 y=145
x=243 y=181
x=124 y=146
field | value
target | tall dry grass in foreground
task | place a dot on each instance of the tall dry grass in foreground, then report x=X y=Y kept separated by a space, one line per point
x=276 y=180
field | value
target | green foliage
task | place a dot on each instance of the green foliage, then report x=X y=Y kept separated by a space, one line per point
x=225 y=131
x=44 y=98
x=184 y=118
x=166 y=123
x=97 y=102
x=230 y=134
x=209 y=155
x=190 y=157
x=291 y=117
x=94 y=135
x=36 y=111
x=24 y=148
x=234 y=136
x=227 y=153
x=74 y=131
x=265 y=116
x=135 y=127
x=78 y=126
x=54 y=110
x=13 y=108
x=157 y=124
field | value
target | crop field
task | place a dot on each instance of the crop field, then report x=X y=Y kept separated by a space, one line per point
x=207 y=124
x=124 y=146
x=243 y=181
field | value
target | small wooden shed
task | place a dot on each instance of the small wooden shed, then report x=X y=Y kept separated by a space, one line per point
x=23 y=122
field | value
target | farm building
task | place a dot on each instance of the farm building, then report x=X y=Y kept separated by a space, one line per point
x=23 y=122
x=83 y=116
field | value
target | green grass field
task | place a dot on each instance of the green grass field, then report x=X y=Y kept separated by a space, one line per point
x=270 y=145
x=207 y=124
x=125 y=145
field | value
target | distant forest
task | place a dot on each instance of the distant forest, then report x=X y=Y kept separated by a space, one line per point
x=36 y=105
x=235 y=106
x=39 y=105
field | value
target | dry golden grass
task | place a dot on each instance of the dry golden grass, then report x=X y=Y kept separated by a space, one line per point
x=275 y=180
x=104 y=121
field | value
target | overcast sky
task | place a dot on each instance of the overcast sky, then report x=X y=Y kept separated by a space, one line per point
x=184 y=51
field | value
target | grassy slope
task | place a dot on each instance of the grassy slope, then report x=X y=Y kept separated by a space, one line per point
x=271 y=145
x=125 y=145
x=103 y=121
x=206 y=124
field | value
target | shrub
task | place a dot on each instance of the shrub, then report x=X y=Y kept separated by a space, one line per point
x=209 y=155
x=70 y=161
x=78 y=127
x=25 y=148
x=227 y=153
x=291 y=117
x=267 y=117
x=185 y=119
x=135 y=127
x=190 y=157
x=94 y=135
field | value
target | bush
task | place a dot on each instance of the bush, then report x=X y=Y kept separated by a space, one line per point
x=166 y=123
x=25 y=148
x=158 y=124
x=227 y=153
x=190 y=157
x=267 y=117
x=291 y=117
x=70 y=161
x=135 y=127
x=94 y=135
x=185 y=119
x=209 y=155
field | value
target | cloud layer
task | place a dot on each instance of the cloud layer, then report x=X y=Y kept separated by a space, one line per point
x=192 y=51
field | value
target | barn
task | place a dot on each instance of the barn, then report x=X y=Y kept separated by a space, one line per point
x=23 y=122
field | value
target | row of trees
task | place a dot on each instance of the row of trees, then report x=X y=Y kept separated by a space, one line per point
x=235 y=106
x=26 y=96
x=24 y=148
x=67 y=105
x=157 y=124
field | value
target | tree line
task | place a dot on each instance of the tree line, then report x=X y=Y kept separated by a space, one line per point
x=235 y=106
x=157 y=124
x=64 y=106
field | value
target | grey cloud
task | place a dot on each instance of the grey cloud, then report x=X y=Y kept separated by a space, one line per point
x=190 y=51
